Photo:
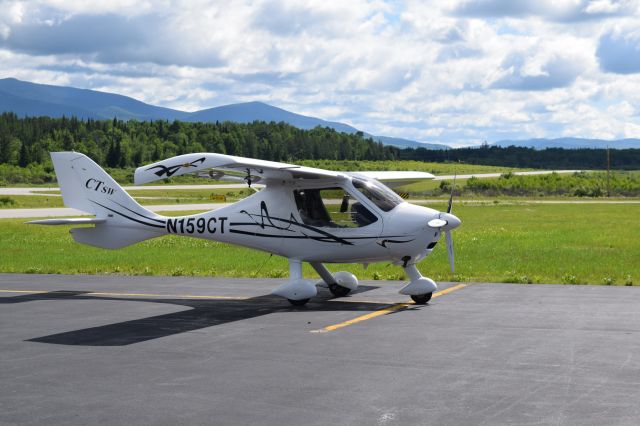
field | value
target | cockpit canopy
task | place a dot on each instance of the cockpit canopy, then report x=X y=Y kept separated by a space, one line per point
x=384 y=198
x=335 y=207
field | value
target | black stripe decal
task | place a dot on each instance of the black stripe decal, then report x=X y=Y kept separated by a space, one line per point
x=141 y=215
x=128 y=217
x=294 y=237
x=384 y=243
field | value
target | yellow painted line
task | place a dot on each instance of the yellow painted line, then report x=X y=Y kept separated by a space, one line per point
x=96 y=293
x=374 y=314
x=448 y=290
x=384 y=311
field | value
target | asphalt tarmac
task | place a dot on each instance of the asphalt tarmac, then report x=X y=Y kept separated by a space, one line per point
x=179 y=350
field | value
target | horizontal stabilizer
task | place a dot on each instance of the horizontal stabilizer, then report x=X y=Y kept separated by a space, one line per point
x=112 y=237
x=70 y=221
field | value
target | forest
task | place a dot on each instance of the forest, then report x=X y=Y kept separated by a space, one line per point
x=513 y=156
x=25 y=144
x=118 y=143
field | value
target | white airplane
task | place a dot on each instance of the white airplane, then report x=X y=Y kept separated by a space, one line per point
x=302 y=213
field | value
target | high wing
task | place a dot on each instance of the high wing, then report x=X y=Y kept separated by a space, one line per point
x=220 y=165
x=394 y=179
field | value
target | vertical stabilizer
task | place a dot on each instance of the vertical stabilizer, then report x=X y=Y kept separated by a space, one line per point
x=86 y=186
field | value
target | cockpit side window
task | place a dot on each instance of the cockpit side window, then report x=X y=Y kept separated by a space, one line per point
x=378 y=194
x=331 y=208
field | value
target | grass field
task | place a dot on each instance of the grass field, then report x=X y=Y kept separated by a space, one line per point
x=572 y=244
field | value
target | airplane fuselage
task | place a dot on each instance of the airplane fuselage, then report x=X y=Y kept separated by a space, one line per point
x=271 y=221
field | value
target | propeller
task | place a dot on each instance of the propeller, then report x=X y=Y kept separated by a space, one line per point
x=447 y=233
x=445 y=222
x=449 y=240
x=453 y=187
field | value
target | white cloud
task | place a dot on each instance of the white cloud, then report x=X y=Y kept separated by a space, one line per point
x=457 y=72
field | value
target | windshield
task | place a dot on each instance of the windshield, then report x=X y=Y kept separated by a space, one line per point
x=380 y=195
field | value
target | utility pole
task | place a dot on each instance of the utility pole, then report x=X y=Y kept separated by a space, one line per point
x=608 y=173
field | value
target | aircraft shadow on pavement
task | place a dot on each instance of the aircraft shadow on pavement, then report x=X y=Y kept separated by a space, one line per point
x=203 y=313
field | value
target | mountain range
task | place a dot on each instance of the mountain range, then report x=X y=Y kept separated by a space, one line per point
x=32 y=99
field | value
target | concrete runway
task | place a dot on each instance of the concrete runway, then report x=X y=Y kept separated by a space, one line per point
x=181 y=350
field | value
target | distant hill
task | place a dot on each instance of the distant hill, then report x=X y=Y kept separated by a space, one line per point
x=571 y=143
x=32 y=107
x=251 y=111
x=56 y=101
x=31 y=99
x=406 y=143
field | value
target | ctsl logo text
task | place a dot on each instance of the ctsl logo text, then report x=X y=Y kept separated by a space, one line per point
x=98 y=186
x=192 y=225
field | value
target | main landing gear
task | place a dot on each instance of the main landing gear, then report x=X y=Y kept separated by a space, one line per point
x=340 y=284
x=297 y=291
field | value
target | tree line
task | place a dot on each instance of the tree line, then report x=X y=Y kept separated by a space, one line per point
x=514 y=156
x=120 y=144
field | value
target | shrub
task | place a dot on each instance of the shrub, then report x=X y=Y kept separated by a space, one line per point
x=276 y=273
x=7 y=201
x=178 y=272
x=608 y=281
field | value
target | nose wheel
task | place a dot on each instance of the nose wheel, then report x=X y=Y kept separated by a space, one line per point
x=421 y=299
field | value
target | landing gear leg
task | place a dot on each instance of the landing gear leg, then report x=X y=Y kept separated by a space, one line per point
x=419 y=288
x=297 y=291
x=340 y=284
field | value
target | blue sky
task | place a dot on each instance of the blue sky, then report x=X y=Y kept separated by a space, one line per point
x=457 y=71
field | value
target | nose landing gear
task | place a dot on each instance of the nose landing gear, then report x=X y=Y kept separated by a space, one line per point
x=419 y=288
